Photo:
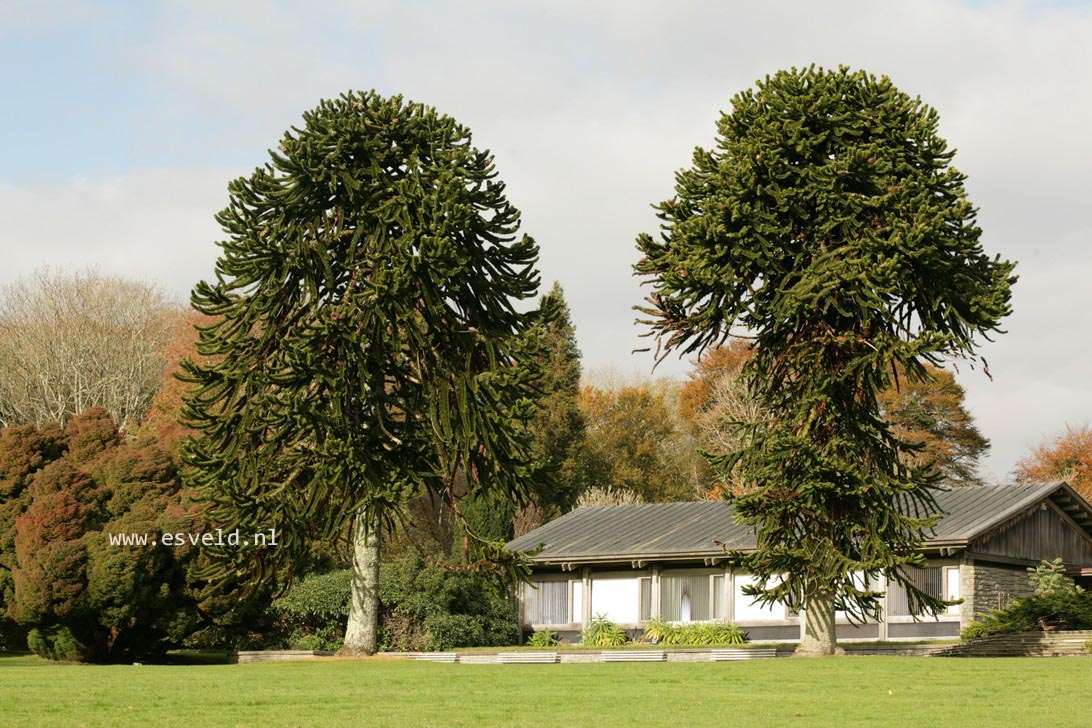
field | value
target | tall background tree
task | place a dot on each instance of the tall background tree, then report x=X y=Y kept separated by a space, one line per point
x=928 y=413
x=558 y=427
x=828 y=223
x=1067 y=456
x=363 y=347
x=70 y=341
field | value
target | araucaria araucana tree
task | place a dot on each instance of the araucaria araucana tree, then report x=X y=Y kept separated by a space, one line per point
x=365 y=308
x=829 y=225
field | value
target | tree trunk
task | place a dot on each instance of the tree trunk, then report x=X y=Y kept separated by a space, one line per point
x=820 y=638
x=362 y=630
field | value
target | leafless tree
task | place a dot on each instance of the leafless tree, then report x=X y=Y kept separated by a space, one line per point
x=73 y=340
x=593 y=497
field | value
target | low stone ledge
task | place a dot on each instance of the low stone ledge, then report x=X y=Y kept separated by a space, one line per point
x=245 y=656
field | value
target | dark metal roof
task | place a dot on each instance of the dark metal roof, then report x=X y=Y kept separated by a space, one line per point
x=693 y=530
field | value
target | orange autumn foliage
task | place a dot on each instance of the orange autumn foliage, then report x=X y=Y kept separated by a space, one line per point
x=1066 y=457
x=162 y=418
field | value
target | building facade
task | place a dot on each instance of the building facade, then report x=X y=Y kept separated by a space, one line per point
x=631 y=564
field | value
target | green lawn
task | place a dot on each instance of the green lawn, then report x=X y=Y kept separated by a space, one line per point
x=887 y=691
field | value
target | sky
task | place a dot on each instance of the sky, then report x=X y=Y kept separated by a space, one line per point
x=122 y=124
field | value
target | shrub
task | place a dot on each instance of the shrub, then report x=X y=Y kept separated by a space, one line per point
x=426 y=607
x=603 y=633
x=56 y=643
x=699 y=634
x=1025 y=613
x=423 y=607
x=308 y=642
x=543 y=639
x=314 y=610
x=77 y=595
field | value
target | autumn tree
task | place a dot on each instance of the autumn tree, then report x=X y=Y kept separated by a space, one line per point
x=829 y=224
x=367 y=316
x=928 y=414
x=637 y=441
x=72 y=341
x=1067 y=456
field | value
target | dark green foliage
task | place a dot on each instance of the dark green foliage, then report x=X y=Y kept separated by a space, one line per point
x=558 y=426
x=603 y=633
x=82 y=597
x=57 y=643
x=362 y=352
x=312 y=614
x=426 y=607
x=828 y=223
x=1024 y=614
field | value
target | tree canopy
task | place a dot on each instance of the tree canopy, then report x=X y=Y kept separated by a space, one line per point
x=1067 y=456
x=828 y=224
x=73 y=340
x=366 y=326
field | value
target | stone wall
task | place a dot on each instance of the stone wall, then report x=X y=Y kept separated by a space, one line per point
x=986 y=587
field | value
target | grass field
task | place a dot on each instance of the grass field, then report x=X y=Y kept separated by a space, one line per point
x=887 y=691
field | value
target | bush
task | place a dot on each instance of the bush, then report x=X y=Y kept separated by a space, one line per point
x=603 y=633
x=543 y=639
x=312 y=615
x=422 y=608
x=699 y=634
x=78 y=596
x=427 y=607
x=1025 y=613
x=1049 y=577
x=56 y=643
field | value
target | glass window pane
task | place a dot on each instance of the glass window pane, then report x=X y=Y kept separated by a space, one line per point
x=616 y=599
x=929 y=580
x=952 y=577
x=685 y=598
x=718 y=597
x=646 y=600
x=547 y=602
x=578 y=601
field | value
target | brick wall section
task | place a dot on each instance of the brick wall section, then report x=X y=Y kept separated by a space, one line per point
x=986 y=587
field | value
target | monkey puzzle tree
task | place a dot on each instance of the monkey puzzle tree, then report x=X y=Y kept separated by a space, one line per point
x=362 y=346
x=829 y=224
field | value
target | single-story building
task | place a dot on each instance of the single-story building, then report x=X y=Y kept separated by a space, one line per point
x=634 y=563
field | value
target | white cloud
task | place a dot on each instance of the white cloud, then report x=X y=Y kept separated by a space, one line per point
x=150 y=224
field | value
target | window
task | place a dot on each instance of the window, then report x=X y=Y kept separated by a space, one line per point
x=747 y=609
x=860 y=581
x=553 y=601
x=718 y=597
x=616 y=598
x=951 y=581
x=691 y=596
x=645 y=612
x=940 y=582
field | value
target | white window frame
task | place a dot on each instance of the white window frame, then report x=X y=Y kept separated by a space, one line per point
x=528 y=590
